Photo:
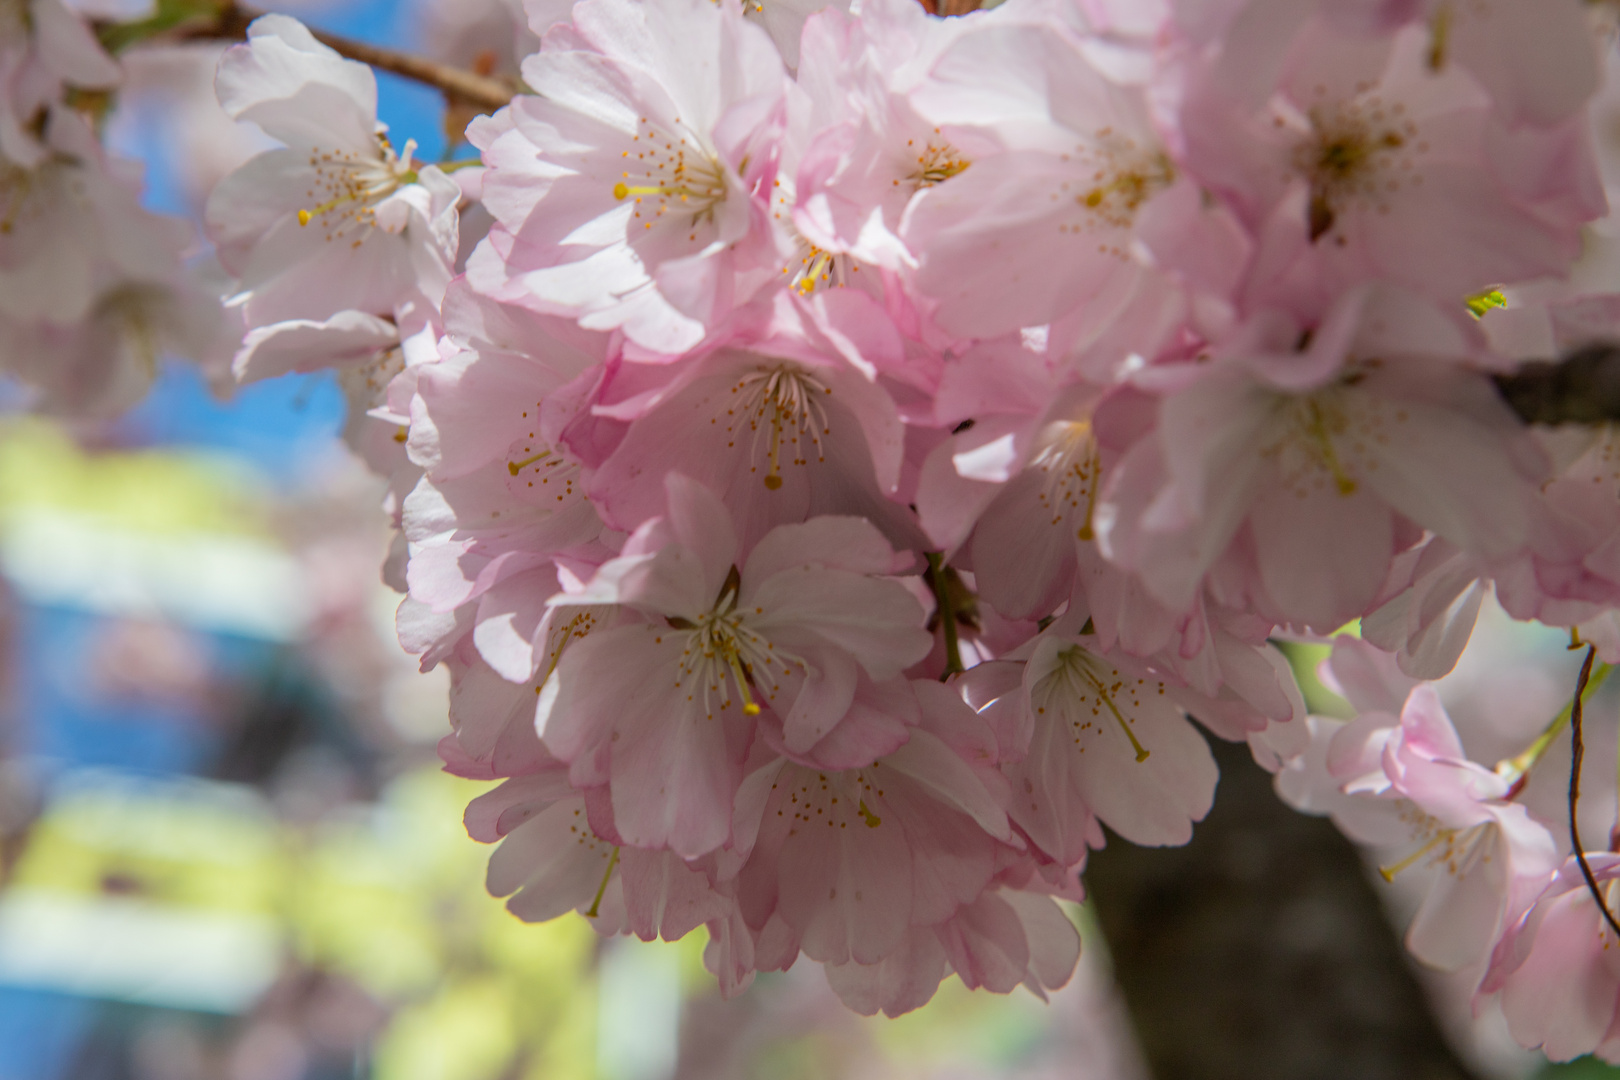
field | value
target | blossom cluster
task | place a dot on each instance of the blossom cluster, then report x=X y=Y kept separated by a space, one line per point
x=848 y=458
x=93 y=288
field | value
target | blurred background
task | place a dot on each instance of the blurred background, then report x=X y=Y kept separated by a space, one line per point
x=227 y=851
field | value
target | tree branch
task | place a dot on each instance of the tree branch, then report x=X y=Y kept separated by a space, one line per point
x=231 y=21
x=1260 y=951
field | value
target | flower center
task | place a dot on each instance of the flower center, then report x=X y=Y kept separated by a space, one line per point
x=809 y=265
x=1115 y=175
x=784 y=408
x=723 y=652
x=537 y=470
x=836 y=800
x=568 y=626
x=546 y=473
x=1067 y=455
x=368 y=382
x=1456 y=850
x=16 y=20
x=1356 y=152
x=348 y=186
x=1330 y=437
x=137 y=316
x=937 y=162
x=20 y=190
x=815 y=266
x=671 y=176
x=1081 y=687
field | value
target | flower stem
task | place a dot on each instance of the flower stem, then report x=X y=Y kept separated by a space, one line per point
x=1517 y=769
x=945 y=606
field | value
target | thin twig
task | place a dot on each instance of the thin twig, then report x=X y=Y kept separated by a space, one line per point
x=461 y=86
x=1578 y=751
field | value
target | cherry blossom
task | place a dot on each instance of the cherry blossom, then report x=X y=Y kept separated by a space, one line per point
x=1406 y=784
x=848 y=458
x=1347 y=445
x=45 y=50
x=633 y=191
x=1554 y=968
x=337 y=219
x=663 y=709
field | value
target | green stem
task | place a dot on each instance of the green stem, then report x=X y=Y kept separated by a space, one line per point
x=946 y=607
x=1517 y=770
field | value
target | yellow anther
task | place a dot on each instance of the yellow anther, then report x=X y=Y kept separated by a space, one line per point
x=304 y=217
x=872 y=820
x=750 y=708
x=621 y=190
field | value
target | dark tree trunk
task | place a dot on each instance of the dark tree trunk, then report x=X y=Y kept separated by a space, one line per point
x=1260 y=950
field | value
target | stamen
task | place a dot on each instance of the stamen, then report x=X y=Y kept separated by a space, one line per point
x=596 y=902
x=1439 y=38
x=1094 y=467
x=677 y=171
x=1388 y=872
x=1124 y=725
x=1317 y=428
x=515 y=467
x=787 y=400
x=1068 y=456
x=356 y=183
x=871 y=819
x=749 y=707
x=937 y=163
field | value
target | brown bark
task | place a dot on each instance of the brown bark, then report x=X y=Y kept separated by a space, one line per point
x=1260 y=951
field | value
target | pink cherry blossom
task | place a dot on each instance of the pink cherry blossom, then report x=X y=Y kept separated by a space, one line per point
x=842 y=863
x=1406 y=783
x=634 y=191
x=1272 y=457
x=1350 y=156
x=1002 y=940
x=45 y=49
x=1083 y=192
x=780 y=438
x=337 y=219
x=663 y=709
x=73 y=229
x=1555 y=968
x=496 y=501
